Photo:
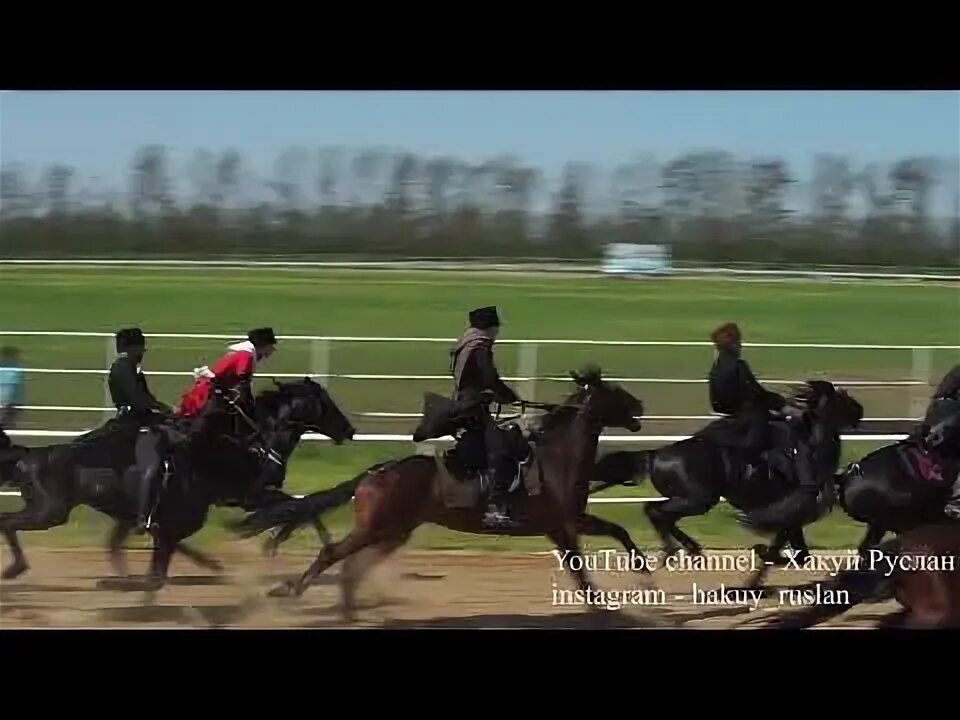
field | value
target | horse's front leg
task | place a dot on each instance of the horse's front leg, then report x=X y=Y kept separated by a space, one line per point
x=598 y=527
x=565 y=538
x=163 y=548
x=118 y=559
x=768 y=555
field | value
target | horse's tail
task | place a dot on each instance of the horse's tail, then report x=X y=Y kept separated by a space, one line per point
x=12 y=455
x=289 y=515
x=624 y=467
x=860 y=585
x=9 y=457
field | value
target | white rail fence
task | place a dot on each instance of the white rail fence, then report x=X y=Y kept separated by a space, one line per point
x=321 y=347
x=489 y=264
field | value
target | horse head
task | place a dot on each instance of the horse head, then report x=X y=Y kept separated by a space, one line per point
x=307 y=404
x=829 y=404
x=610 y=405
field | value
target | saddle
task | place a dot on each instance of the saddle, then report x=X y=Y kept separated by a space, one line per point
x=758 y=464
x=463 y=468
x=465 y=478
x=928 y=466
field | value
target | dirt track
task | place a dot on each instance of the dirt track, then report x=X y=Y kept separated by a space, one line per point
x=414 y=589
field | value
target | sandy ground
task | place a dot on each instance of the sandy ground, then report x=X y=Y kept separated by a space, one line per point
x=77 y=589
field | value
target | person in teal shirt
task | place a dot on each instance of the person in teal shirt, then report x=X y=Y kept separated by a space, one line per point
x=11 y=386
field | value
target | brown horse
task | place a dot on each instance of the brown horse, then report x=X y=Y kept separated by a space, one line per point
x=920 y=569
x=927 y=580
x=394 y=498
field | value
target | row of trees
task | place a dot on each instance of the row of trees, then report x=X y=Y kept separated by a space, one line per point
x=711 y=206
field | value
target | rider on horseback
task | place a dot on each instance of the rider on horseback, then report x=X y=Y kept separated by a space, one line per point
x=231 y=379
x=476 y=380
x=734 y=391
x=940 y=431
x=137 y=408
x=226 y=391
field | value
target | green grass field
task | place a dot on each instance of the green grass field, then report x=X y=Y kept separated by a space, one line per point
x=421 y=304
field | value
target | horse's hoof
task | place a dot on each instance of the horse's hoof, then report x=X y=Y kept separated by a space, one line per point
x=14 y=570
x=285 y=590
x=767 y=554
x=754 y=582
x=152 y=585
x=646 y=581
x=670 y=550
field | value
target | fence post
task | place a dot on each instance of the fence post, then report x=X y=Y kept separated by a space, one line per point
x=320 y=360
x=527 y=367
x=111 y=355
x=922 y=365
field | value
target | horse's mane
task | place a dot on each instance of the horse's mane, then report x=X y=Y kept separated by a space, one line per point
x=267 y=402
x=561 y=415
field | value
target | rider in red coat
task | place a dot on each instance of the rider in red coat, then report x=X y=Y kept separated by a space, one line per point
x=232 y=373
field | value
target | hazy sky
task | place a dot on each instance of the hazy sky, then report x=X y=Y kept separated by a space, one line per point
x=97 y=132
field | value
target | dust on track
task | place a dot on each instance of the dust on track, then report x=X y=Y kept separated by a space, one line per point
x=77 y=589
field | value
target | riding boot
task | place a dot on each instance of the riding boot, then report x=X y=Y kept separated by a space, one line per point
x=952 y=508
x=145 y=498
x=149 y=452
x=497 y=514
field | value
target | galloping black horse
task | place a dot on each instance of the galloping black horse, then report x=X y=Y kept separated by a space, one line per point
x=901 y=486
x=894 y=489
x=211 y=470
x=694 y=473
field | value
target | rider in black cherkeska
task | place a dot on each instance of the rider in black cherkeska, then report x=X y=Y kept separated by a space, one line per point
x=940 y=431
x=476 y=380
x=735 y=391
x=137 y=408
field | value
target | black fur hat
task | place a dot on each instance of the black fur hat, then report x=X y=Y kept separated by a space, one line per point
x=262 y=336
x=483 y=318
x=130 y=337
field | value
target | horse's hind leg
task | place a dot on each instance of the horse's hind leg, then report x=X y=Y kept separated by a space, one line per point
x=273 y=544
x=31 y=517
x=358 y=565
x=329 y=555
x=870 y=540
x=665 y=515
x=598 y=527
